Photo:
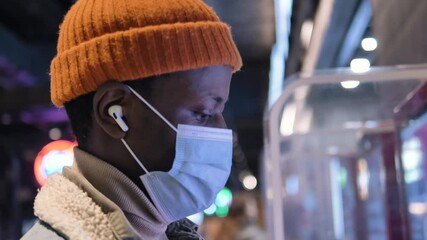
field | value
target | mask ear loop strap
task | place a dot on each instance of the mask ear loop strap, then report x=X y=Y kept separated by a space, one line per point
x=153 y=109
x=134 y=156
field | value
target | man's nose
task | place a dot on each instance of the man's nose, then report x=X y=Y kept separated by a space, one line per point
x=219 y=122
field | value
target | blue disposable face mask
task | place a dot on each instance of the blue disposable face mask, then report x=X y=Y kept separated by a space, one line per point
x=200 y=170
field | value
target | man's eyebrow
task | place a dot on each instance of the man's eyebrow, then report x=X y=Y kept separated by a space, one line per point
x=220 y=99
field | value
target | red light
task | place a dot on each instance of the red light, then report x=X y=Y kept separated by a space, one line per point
x=52 y=158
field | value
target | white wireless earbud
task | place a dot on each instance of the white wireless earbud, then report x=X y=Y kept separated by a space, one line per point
x=116 y=113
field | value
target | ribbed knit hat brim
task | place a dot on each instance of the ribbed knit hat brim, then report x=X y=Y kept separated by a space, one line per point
x=138 y=52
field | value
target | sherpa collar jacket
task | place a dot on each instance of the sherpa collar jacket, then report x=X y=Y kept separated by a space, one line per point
x=93 y=200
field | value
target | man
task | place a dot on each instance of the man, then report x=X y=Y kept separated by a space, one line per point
x=144 y=83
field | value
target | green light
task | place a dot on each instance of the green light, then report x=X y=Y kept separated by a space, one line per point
x=222 y=211
x=343 y=177
x=211 y=210
x=223 y=198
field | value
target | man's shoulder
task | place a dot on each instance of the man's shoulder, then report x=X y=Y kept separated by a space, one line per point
x=42 y=230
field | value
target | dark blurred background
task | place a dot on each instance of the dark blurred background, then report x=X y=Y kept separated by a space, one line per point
x=276 y=38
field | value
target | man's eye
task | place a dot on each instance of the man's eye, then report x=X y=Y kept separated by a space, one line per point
x=202 y=117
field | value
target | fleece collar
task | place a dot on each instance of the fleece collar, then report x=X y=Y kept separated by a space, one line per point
x=69 y=210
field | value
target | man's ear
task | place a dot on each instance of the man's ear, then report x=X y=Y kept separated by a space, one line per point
x=109 y=94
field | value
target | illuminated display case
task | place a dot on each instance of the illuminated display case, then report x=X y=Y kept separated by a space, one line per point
x=412 y=119
x=332 y=166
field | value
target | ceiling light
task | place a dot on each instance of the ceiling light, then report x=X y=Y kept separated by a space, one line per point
x=250 y=182
x=360 y=65
x=369 y=44
x=350 y=84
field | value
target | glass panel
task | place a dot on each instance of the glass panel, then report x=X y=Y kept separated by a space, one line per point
x=413 y=155
x=337 y=163
x=332 y=143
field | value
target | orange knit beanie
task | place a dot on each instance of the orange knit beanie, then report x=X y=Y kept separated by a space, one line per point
x=103 y=40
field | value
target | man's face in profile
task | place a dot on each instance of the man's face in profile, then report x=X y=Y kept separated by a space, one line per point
x=194 y=97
